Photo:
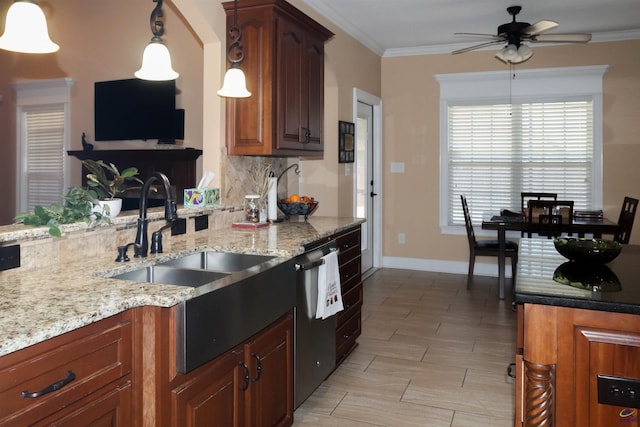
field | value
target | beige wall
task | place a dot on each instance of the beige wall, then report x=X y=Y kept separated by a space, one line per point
x=411 y=135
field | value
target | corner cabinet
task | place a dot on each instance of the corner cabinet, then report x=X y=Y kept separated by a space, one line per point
x=284 y=67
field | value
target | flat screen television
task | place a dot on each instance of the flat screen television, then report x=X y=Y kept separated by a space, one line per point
x=137 y=109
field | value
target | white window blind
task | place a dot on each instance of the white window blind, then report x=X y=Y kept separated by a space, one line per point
x=498 y=151
x=44 y=138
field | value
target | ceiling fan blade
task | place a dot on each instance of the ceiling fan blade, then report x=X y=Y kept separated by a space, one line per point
x=478 y=46
x=561 y=38
x=540 y=27
x=479 y=35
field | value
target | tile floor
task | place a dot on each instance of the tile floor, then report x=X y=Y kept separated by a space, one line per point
x=432 y=353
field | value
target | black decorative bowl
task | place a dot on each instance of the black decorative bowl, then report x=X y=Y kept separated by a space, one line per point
x=298 y=208
x=587 y=251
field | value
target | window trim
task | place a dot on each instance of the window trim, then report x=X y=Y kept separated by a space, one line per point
x=40 y=93
x=530 y=85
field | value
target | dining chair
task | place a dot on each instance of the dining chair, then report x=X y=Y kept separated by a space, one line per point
x=625 y=221
x=486 y=247
x=550 y=214
x=526 y=196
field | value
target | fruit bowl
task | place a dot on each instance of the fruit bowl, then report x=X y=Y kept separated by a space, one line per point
x=297 y=208
x=582 y=250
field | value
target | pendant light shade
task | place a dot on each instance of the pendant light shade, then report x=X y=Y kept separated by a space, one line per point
x=156 y=60
x=26 y=30
x=513 y=54
x=156 y=63
x=235 y=83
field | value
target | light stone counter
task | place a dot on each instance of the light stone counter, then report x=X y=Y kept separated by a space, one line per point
x=41 y=303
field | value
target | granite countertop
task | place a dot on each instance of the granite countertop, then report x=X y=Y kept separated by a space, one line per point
x=41 y=304
x=538 y=261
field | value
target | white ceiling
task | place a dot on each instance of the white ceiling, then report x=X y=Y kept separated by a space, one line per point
x=418 y=27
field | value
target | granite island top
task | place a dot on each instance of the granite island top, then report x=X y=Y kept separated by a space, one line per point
x=539 y=261
x=41 y=304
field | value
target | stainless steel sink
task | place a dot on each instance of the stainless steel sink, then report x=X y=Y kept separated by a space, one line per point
x=171 y=276
x=218 y=261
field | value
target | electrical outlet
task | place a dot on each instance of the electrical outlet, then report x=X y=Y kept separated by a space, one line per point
x=179 y=227
x=201 y=222
x=619 y=391
x=402 y=239
x=9 y=257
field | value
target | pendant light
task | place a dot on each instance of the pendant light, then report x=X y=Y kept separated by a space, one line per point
x=156 y=61
x=235 y=83
x=26 y=30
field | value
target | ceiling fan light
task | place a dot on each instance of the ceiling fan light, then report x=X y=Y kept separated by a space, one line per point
x=524 y=52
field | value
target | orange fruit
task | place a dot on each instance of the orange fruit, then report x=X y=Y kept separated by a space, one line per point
x=294 y=198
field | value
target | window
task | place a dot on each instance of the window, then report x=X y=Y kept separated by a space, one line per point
x=43 y=122
x=539 y=132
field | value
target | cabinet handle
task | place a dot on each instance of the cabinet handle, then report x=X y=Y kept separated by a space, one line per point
x=53 y=387
x=307 y=135
x=258 y=368
x=246 y=377
x=510 y=370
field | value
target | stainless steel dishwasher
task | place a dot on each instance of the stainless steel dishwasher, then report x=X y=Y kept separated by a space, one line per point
x=315 y=339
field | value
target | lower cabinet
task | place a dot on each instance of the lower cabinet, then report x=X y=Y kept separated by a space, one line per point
x=563 y=355
x=249 y=385
x=81 y=378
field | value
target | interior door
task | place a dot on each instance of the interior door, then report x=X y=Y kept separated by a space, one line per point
x=365 y=184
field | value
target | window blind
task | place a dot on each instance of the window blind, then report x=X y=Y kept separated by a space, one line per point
x=44 y=161
x=495 y=152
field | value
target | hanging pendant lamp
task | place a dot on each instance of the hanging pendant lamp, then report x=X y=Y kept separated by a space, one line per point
x=26 y=29
x=235 y=83
x=156 y=61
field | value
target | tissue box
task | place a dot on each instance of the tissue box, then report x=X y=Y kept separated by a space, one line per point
x=196 y=197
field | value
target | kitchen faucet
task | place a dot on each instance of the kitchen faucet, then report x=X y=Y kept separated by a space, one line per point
x=141 y=243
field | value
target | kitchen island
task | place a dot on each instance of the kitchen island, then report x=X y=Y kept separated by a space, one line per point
x=578 y=350
x=122 y=334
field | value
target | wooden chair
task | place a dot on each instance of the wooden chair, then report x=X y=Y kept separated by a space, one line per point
x=486 y=247
x=526 y=196
x=625 y=221
x=550 y=214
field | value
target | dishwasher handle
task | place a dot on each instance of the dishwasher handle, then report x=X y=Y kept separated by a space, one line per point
x=313 y=264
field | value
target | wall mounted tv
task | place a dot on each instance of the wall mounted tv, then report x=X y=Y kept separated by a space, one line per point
x=137 y=109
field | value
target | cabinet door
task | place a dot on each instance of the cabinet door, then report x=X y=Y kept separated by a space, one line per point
x=290 y=96
x=270 y=357
x=215 y=397
x=111 y=409
x=314 y=113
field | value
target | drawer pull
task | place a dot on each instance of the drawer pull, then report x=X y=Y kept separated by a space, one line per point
x=258 y=368
x=245 y=386
x=53 y=387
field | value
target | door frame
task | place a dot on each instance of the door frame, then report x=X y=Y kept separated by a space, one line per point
x=376 y=103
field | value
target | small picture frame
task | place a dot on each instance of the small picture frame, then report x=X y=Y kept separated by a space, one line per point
x=346 y=142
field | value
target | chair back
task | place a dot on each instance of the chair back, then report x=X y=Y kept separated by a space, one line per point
x=467 y=221
x=625 y=221
x=550 y=214
x=525 y=197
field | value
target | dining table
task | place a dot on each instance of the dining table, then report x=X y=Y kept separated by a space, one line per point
x=581 y=227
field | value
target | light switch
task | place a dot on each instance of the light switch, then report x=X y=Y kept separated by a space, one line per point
x=397 y=167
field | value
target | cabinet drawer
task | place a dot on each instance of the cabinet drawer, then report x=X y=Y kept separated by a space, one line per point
x=348 y=246
x=350 y=275
x=346 y=335
x=352 y=302
x=97 y=355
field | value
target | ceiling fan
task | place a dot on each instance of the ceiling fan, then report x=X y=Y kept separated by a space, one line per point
x=515 y=33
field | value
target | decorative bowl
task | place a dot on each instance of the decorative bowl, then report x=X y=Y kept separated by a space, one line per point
x=582 y=250
x=298 y=208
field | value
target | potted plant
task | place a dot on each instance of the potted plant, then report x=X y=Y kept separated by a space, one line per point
x=79 y=205
x=108 y=182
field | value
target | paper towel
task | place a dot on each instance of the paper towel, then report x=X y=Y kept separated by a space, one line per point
x=272 y=199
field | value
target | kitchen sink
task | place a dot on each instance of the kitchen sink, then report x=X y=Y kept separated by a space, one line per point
x=218 y=261
x=171 y=276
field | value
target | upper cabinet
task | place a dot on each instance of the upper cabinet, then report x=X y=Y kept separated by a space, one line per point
x=284 y=66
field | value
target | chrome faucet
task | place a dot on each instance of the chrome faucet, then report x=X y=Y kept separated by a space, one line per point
x=141 y=244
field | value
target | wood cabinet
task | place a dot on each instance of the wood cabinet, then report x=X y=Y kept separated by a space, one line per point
x=249 y=385
x=561 y=353
x=284 y=67
x=349 y=321
x=81 y=378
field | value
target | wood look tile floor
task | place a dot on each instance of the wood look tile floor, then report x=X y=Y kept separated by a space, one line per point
x=431 y=353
